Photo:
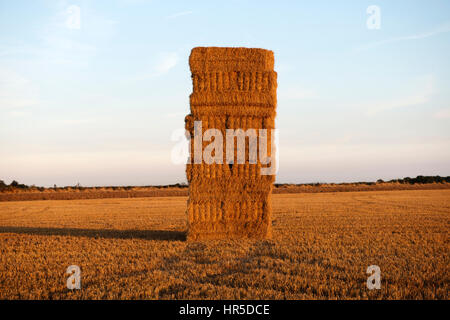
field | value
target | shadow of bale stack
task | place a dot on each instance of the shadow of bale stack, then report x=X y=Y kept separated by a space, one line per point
x=233 y=88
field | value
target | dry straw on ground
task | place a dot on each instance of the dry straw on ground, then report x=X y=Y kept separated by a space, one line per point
x=145 y=192
x=322 y=245
x=233 y=88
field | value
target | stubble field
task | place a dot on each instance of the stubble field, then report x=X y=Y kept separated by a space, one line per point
x=322 y=245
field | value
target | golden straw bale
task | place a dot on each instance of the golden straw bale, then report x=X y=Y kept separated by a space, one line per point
x=233 y=88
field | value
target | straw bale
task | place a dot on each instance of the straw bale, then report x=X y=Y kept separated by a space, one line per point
x=233 y=88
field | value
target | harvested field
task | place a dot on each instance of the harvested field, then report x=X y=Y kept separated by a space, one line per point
x=90 y=194
x=322 y=245
x=141 y=192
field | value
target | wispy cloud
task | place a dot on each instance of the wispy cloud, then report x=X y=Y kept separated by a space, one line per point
x=421 y=95
x=159 y=66
x=70 y=37
x=166 y=62
x=444 y=28
x=60 y=44
x=179 y=14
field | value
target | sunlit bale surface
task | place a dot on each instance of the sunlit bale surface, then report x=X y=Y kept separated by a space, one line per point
x=233 y=88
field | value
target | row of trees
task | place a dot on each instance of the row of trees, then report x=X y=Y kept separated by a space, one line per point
x=419 y=179
x=13 y=184
x=407 y=180
x=16 y=185
x=422 y=179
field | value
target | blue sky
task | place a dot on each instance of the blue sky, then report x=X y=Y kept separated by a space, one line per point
x=96 y=103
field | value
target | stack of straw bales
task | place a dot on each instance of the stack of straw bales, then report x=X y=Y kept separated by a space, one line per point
x=232 y=88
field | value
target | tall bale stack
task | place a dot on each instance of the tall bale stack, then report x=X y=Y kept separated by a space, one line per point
x=232 y=88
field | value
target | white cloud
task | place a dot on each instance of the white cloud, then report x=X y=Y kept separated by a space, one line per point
x=179 y=14
x=441 y=29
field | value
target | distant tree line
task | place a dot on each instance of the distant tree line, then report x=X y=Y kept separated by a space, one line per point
x=419 y=180
x=16 y=185
x=13 y=185
x=422 y=179
x=407 y=180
